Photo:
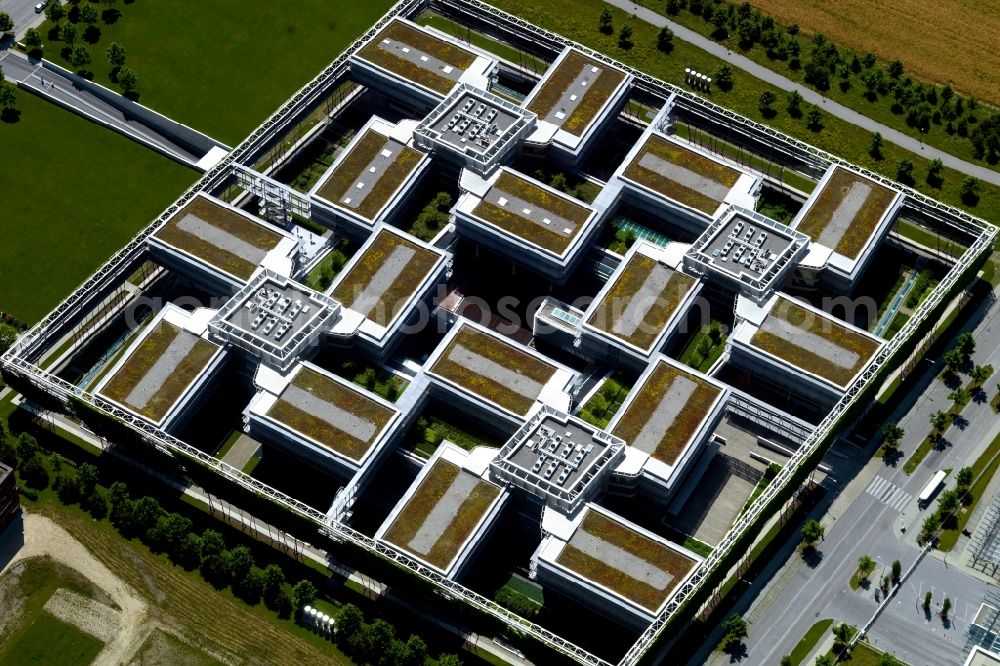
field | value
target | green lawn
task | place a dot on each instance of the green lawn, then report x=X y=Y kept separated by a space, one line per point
x=76 y=193
x=48 y=640
x=223 y=66
x=809 y=641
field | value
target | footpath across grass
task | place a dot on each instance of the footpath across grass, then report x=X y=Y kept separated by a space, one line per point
x=74 y=193
x=223 y=66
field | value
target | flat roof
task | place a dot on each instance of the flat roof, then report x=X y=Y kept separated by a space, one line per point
x=473 y=123
x=632 y=565
x=220 y=236
x=573 y=93
x=374 y=168
x=665 y=412
x=159 y=370
x=441 y=515
x=382 y=280
x=274 y=312
x=682 y=174
x=496 y=370
x=563 y=453
x=641 y=301
x=742 y=246
x=814 y=342
x=531 y=212
x=844 y=214
x=332 y=413
x=418 y=56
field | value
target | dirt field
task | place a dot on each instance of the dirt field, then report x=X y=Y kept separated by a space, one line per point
x=946 y=41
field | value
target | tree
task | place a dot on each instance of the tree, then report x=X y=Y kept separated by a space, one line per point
x=54 y=12
x=674 y=7
x=8 y=334
x=86 y=475
x=6 y=22
x=8 y=97
x=824 y=660
x=945 y=607
x=904 y=171
x=8 y=456
x=724 y=77
x=875 y=146
x=68 y=34
x=939 y=421
x=814 y=119
x=449 y=660
x=953 y=360
x=625 y=37
x=794 y=103
x=767 y=98
x=842 y=634
x=80 y=56
x=735 y=629
x=868 y=61
x=892 y=433
x=929 y=529
x=88 y=14
x=927 y=600
x=349 y=621
x=274 y=578
x=303 y=594
x=979 y=375
x=240 y=562
x=27 y=447
x=145 y=514
x=934 y=170
x=33 y=39
x=665 y=39
x=34 y=473
x=970 y=190
x=786 y=660
x=811 y=532
x=948 y=502
x=966 y=345
x=116 y=54
x=959 y=396
x=866 y=565
x=127 y=80
x=963 y=480
x=897 y=570
x=895 y=70
x=605 y=23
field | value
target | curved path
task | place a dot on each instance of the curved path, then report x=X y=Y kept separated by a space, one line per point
x=809 y=95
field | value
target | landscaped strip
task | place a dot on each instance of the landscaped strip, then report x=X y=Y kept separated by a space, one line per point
x=427 y=495
x=340 y=396
x=228 y=222
x=395 y=296
x=809 y=641
x=364 y=151
x=820 y=214
x=656 y=554
x=447 y=52
x=618 y=298
x=140 y=361
x=821 y=326
x=593 y=100
x=523 y=227
x=687 y=159
x=499 y=352
x=685 y=424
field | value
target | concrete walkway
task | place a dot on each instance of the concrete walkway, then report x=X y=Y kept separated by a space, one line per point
x=809 y=95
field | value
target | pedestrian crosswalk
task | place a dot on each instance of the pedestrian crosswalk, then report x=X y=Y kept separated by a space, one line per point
x=885 y=491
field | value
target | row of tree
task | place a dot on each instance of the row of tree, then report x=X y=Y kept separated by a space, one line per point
x=376 y=643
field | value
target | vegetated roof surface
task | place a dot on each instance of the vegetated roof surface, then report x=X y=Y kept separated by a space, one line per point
x=442 y=513
x=158 y=372
x=354 y=165
x=666 y=412
x=648 y=570
x=494 y=369
x=385 y=277
x=219 y=236
x=447 y=52
x=513 y=222
x=597 y=95
x=813 y=342
x=330 y=427
x=846 y=212
x=642 y=299
x=681 y=174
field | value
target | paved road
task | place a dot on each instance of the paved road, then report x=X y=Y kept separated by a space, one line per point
x=809 y=95
x=865 y=519
x=23 y=13
x=17 y=67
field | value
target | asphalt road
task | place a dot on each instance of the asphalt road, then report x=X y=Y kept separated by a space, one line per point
x=23 y=13
x=17 y=67
x=808 y=94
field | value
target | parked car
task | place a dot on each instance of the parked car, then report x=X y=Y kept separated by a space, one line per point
x=40 y=7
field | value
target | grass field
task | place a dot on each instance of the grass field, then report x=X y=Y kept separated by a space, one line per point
x=809 y=641
x=65 y=213
x=226 y=64
x=951 y=30
x=578 y=20
x=49 y=640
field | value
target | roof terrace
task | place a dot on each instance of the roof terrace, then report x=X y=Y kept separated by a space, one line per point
x=332 y=413
x=641 y=300
x=384 y=278
x=369 y=174
x=663 y=415
x=438 y=518
x=631 y=564
x=814 y=342
x=418 y=56
x=231 y=241
x=574 y=91
x=158 y=370
x=536 y=214
x=845 y=212
x=682 y=174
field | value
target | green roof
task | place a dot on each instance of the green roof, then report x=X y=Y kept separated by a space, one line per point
x=416 y=38
x=597 y=95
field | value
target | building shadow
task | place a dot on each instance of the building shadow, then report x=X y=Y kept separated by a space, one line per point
x=11 y=539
